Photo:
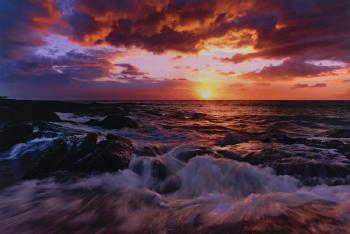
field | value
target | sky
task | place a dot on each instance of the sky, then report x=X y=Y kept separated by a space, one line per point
x=175 y=49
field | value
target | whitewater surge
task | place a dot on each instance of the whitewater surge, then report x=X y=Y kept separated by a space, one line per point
x=227 y=167
x=214 y=196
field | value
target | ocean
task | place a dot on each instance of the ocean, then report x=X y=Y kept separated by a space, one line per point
x=175 y=167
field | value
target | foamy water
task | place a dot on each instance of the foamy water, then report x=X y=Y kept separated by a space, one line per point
x=214 y=195
x=290 y=174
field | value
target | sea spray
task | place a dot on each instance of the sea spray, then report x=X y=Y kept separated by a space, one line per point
x=235 y=193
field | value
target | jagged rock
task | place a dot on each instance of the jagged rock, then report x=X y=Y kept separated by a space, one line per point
x=15 y=133
x=114 y=122
x=84 y=147
x=159 y=170
x=40 y=166
x=152 y=150
x=112 y=154
x=153 y=166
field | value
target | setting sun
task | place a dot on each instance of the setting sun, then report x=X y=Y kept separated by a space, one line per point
x=205 y=93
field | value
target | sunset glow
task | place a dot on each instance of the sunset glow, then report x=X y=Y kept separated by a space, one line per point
x=205 y=94
x=175 y=116
x=162 y=49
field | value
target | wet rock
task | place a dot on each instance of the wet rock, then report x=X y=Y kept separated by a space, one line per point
x=233 y=138
x=185 y=156
x=198 y=116
x=13 y=134
x=114 y=122
x=112 y=154
x=154 y=166
x=152 y=150
x=85 y=146
x=276 y=136
x=309 y=170
x=40 y=166
x=339 y=133
x=170 y=185
x=159 y=170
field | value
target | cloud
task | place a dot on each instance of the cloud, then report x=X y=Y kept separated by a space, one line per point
x=315 y=29
x=278 y=29
x=303 y=86
x=293 y=31
x=22 y=24
x=288 y=70
x=85 y=66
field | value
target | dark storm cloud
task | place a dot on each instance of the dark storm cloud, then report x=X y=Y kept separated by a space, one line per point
x=315 y=29
x=21 y=25
x=88 y=65
x=300 y=30
x=303 y=86
x=289 y=70
x=296 y=29
x=130 y=70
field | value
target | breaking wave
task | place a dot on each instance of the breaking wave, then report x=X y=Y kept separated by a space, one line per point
x=210 y=196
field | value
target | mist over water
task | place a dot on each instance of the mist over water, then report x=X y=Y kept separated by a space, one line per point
x=214 y=167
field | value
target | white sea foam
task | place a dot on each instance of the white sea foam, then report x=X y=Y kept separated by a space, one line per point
x=77 y=118
x=35 y=145
x=213 y=193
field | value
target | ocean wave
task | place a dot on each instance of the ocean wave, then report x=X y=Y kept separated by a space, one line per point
x=214 y=196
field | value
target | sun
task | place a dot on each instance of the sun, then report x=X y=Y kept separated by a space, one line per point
x=205 y=93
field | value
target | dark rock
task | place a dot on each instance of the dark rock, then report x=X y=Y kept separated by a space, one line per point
x=15 y=133
x=40 y=166
x=157 y=168
x=198 y=116
x=28 y=114
x=339 y=133
x=170 y=185
x=112 y=154
x=152 y=150
x=114 y=122
x=306 y=170
x=85 y=146
x=275 y=136
x=233 y=138
x=185 y=156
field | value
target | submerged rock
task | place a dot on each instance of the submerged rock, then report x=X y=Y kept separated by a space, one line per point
x=339 y=133
x=185 y=156
x=13 y=134
x=233 y=138
x=114 y=122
